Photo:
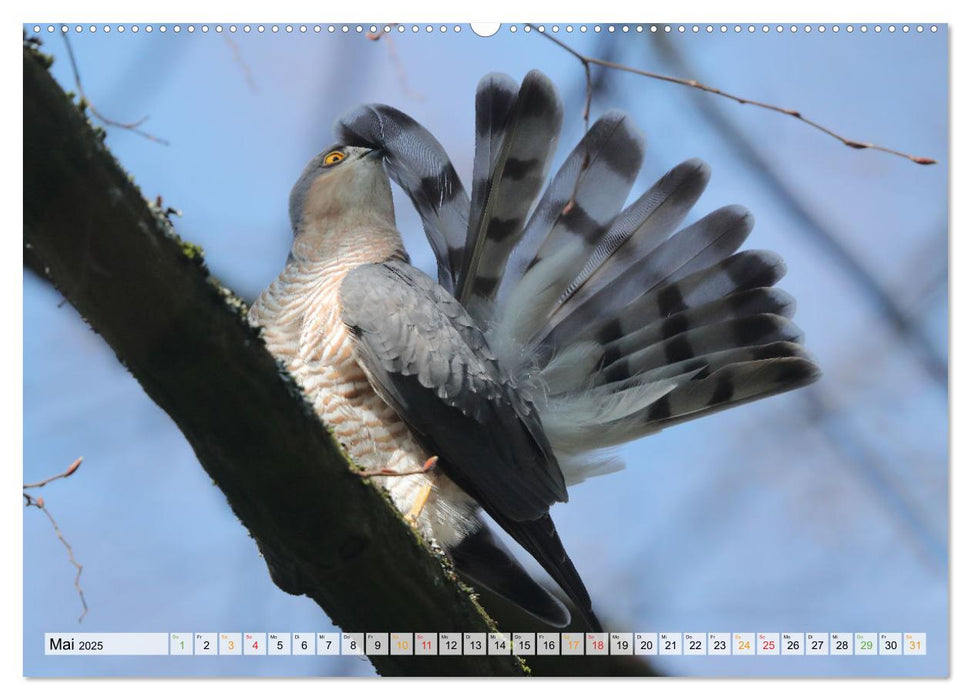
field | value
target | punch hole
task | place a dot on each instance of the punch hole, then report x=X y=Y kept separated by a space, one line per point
x=484 y=29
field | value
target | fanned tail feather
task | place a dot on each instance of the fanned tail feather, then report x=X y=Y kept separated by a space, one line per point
x=421 y=167
x=578 y=206
x=615 y=321
x=526 y=137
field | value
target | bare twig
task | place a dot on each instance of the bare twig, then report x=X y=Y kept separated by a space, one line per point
x=131 y=126
x=38 y=502
x=238 y=58
x=63 y=475
x=374 y=36
x=881 y=297
x=385 y=33
x=588 y=60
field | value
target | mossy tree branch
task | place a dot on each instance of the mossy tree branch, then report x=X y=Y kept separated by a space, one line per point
x=324 y=531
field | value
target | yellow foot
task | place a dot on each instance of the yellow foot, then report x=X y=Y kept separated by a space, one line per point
x=429 y=463
x=418 y=505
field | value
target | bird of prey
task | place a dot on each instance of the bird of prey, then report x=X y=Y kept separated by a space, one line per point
x=562 y=323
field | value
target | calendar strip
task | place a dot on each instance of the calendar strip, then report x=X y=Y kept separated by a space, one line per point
x=767 y=644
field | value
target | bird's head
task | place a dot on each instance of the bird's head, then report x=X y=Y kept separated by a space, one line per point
x=342 y=188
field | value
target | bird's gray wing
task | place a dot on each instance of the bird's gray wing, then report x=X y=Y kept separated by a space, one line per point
x=424 y=356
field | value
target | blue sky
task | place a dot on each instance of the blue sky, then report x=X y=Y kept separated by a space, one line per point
x=821 y=510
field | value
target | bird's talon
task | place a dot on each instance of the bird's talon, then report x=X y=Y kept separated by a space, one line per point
x=426 y=467
x=419 y=504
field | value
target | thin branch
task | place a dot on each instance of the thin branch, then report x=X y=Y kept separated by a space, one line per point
x=238 y=59
x=374 y=36
x=395 y=60
x=587 y=60
x=881 y=297
x=131 y=126
x=63 y=475
x=38 y=502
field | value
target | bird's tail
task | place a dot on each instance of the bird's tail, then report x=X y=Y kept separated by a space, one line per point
x=621 y=321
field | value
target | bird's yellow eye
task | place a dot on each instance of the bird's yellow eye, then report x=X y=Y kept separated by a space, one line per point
x=333 y=158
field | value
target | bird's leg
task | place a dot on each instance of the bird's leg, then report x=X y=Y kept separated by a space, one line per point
x=418 y=505
x=426 y=467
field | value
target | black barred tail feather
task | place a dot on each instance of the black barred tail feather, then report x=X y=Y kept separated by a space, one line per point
x=418 y=163
x=514 y=166
x=614 y=322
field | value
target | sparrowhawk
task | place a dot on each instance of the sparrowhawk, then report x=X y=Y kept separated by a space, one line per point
x=562 y=322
